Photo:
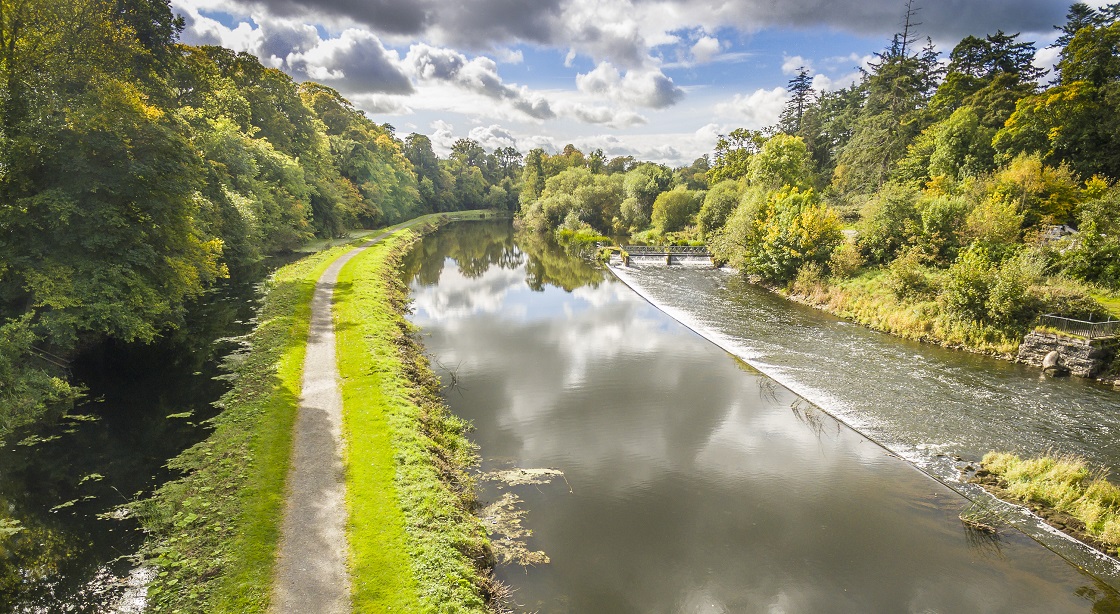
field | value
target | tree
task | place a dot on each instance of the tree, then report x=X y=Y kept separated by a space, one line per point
x=673 y=210
x=783 y=160
x=889 y=223
x=642 y=185
x=733 y=152
x=989 y=74
x=801 y=92
x=532 y=176
x=719 y=203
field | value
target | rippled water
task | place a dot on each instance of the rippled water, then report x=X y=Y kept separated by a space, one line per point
x=916 y=397
x=692 y=482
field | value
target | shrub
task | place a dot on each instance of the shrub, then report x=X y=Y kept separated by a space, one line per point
x=906 y=276
x=845 y=261
x=890 y=223
x=809 y=279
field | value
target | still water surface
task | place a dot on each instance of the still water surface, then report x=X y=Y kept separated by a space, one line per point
x=693 y=483
x=61 y=482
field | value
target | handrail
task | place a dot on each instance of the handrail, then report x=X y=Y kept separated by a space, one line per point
x=1082 y=328
x=665 y=250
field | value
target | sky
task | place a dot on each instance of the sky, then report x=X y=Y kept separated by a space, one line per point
x=655 y=79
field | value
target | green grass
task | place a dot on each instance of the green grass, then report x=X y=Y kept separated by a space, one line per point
x=415 y=545
x=1111 y=302
x=1065 y=484
x=213 y=533
x=866 y=299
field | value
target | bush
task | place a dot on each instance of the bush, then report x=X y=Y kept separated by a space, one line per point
x=1094 y=255
x=795 y=229
x=845 y=261
x=809 y=280
x=907 y=277
x=970 y=283
x=890 y=223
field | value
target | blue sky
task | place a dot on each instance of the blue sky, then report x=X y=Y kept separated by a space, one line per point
x=656 y=79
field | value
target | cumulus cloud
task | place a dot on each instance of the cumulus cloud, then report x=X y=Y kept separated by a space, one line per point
x=605 y=115
x=478 y=75
x=705 y=49
x=624 y=31
x=758 y=109
x=643 y=87
x=380 y=104
x=792 y=63
x=356 y=61
x=493 y=137
x=442 y=137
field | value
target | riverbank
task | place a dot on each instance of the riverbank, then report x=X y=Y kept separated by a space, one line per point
x=214 y=532
x=1062 y=491
x=867 y=300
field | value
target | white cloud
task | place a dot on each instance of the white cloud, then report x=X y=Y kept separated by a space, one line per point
x=824 y=83
x=642 y=87
x=792 y=63
x=493 y=137
x=442 y=136
x=705 y=49
x=478 y=75
x=356 y=61
x=1046 y=58
x=758 y=109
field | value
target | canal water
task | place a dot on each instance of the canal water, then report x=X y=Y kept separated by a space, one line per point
x=691 y=482
x=66 y=548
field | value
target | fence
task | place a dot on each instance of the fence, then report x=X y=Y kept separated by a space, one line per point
x=663 y=250
x=1082 y=328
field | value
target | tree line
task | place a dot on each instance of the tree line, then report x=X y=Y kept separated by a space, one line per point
x=137 y=172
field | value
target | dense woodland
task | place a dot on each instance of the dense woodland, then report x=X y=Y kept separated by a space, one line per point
x=136 y=173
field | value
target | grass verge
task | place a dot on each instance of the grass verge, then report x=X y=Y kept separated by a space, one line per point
x=213 y=533
x=409 y=498
x=1063 y=490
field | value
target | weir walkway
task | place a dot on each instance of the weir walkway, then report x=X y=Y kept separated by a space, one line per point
x=665 y=254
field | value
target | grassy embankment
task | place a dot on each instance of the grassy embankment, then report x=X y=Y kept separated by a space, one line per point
x=405 y=455
x=867 y=299
x=1063 y=490
x=214 y=531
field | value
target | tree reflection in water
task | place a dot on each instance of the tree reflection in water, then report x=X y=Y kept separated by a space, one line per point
x=477 y=246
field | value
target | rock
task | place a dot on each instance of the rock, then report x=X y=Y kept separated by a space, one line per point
x=1051 y=360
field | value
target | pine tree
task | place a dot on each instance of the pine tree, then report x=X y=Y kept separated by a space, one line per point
x=802 y=95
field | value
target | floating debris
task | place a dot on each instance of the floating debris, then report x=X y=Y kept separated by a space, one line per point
x=503 y=518
x=521 y=477
x=979 y=518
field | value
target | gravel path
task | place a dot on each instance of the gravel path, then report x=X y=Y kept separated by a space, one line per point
x=311 y=572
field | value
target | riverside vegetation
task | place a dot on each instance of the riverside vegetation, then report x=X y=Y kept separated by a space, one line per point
x=929 y=199
x=1064 y=490
x=414 y=543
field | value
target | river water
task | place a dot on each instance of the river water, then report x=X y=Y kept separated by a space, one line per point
x=692 y=481
x=61 y=482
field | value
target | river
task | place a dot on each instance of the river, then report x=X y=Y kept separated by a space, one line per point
x=693 y=482
x=61 y=482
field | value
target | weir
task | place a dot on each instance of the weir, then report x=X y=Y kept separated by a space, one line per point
x=664 y=254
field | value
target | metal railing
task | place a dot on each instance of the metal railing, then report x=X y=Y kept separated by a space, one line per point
x=1081 y=328
x=665 y=250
